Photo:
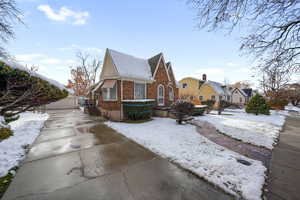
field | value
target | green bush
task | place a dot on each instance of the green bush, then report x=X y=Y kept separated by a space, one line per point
x=26 y=90
x=138 y=111
x=210 y=104
x=5 y=181
x=198 y=111
x=9 y=117
x=5 y=133
x=257 y=105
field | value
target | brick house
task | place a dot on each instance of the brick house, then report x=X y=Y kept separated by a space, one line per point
x=125 y=78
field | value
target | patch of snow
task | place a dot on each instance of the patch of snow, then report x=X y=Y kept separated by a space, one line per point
x=292 y=108
x=200 y=106
x=131 y=67
x=138 y=100
x=260 y=130
x=15 y=65
x=25 y=130
x=182 y=144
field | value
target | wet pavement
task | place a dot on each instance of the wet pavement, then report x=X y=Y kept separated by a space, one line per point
x=284 y=176
x=78 y=157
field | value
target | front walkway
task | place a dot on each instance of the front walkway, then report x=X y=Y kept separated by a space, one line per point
x=284 y=177
x=251 y=151
x=78 y=157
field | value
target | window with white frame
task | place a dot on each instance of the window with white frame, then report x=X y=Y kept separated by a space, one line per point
x=171 y=94
x=213 y=97
x=139 y=90
x=109 y=93
x=160 y=95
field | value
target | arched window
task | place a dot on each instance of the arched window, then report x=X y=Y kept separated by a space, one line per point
x=171 y=94
x=160 y=95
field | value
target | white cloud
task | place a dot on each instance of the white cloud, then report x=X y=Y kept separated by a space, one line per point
x=29 y=57
x=50 y=61
x=75 y=47
x=231 y=64
x=65 y=14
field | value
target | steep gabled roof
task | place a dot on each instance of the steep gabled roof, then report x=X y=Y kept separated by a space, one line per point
x=247 y=91
x=218 y=87
x=153 y=62
x=130 y=67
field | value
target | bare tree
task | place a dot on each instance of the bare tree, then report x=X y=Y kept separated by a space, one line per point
x=274 y=26
x=85 y=74
x=9 y=15
x=274 y=79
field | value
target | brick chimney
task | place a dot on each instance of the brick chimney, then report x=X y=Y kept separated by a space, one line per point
x=204 y=77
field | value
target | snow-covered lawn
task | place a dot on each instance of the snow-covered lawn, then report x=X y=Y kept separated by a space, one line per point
x=182 y=144
x=260 y=130
x=292 y=108
x=25 y=130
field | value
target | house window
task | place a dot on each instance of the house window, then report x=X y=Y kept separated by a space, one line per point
x=220 y=98
x=228 y=98
x=213 y=97
x=241 y=99
x=160 y=95
x=201 y=98
x=139 y=90
x=171 y=94
x=184 y=85
x=110 y=93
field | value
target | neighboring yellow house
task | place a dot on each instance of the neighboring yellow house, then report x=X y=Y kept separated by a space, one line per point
x=189 y=88
x=211 y=90
x=197 y=90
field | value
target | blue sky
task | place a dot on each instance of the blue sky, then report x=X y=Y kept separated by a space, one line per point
x=56 y=29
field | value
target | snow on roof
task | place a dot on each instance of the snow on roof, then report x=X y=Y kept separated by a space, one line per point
x=218 y=87
x=243 y=93
x=15 y=65
x=131 y=67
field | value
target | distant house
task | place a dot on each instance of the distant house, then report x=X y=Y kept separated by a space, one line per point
x=241 y=96
x=125 y=78
x=189 y=88
x=211 y=90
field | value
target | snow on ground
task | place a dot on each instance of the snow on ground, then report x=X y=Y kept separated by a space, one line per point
x=292 y=108
x=25 y=130
x=182 y=144
x=260 y=130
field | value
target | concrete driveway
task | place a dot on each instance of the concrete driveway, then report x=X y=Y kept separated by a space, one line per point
x=78 y=157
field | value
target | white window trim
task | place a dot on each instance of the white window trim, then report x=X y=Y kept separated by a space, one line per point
x=160 y=85
x=173 y=95
x=134 y=88
x=108 y=92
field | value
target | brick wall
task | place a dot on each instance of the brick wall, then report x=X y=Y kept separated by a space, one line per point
x=112 y=105
x=161 y=77
x=128 y=90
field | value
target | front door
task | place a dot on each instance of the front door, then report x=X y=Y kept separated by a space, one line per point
x=160 y=95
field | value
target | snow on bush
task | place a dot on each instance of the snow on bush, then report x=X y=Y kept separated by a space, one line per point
x=260 y=130
x=25 y=130
x=186 y=147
